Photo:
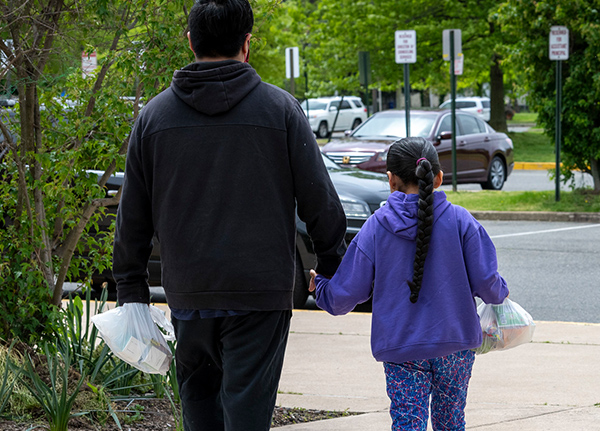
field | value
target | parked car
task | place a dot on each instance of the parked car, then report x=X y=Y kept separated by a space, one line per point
x=360 y=192
x=479 y=106
x=322 y=114
x=483 y=155
x=7 y=103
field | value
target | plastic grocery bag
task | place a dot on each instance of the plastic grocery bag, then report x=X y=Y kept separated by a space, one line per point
x=132 y=334
x=504 y=326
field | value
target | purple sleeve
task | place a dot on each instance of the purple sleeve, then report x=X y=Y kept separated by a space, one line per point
x=352 y=284
x=482 y=268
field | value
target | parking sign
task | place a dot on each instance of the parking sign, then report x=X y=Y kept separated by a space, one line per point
x=406 y=46
x=559 y=43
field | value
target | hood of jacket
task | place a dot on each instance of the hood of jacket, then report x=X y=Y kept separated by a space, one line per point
x=399 y=214
x=214 y=87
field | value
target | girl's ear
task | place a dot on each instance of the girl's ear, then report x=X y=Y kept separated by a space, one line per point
x=393 y=180
x=438 y=179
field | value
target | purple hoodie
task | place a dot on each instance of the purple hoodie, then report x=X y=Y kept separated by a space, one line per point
x=461 y=264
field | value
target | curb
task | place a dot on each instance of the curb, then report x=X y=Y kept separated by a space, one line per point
x=537 y=216
x=534 y=166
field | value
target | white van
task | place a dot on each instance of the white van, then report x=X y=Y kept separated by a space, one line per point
x=479 y=106
x=321 y=113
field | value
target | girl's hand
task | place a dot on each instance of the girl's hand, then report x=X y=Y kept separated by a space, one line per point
x=311 y=285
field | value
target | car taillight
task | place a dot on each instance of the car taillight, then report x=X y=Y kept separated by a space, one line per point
x=365 y=109
x=480 y=111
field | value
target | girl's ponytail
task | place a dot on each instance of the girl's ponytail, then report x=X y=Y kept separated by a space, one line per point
x=425 y=176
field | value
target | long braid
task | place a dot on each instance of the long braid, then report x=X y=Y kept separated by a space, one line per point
x=402 y=157
x=424 y=226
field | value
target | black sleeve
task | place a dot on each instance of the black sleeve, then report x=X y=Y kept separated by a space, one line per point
x=134 y=228
x=317 y=200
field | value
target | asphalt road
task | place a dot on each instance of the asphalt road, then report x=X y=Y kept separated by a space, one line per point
x=552 y=268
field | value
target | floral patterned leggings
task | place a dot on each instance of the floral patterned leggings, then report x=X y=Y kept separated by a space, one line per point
x=410 y=384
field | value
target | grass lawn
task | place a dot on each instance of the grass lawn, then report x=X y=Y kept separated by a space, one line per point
x=532 y=146
x=523 y=118
x=576 y=201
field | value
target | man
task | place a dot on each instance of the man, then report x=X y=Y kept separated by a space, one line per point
x=217 y=166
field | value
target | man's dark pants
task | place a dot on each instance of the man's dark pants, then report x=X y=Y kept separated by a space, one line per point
x=228 y=369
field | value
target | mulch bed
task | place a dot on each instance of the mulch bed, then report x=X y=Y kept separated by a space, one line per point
x=154 y=414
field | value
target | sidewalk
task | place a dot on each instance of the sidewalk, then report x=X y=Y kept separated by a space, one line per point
x=551 y=384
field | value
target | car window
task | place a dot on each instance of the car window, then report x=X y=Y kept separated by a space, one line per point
x=470 y=125
x=357 y=102
x=314 y=105
x=446 y=125
x=346 y=105
x=395 y=126
x=335 y=103
x=486 y=104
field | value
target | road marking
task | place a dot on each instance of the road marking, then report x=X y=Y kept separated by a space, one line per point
x=544 y=231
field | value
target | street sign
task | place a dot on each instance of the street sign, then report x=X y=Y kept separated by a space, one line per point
x=364 y=68
x=446 y=44
x=89 y=62
x=406 y=46
x=559 y=43
x=558 y=50
x=459 y=63
x=292 y=63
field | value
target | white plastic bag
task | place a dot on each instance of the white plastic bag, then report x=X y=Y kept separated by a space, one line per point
x=504 y=326
x=132 y=334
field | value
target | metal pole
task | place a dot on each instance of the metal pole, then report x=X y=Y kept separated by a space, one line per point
x=407 y=98
x=453 y=108
x=558 y=126
x=306 y=91
x=335 y=119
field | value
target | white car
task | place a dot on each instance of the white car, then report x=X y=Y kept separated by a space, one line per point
x=321 y=113
x=479 y=106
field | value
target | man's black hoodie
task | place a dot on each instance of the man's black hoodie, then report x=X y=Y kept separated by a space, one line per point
x=216 y=166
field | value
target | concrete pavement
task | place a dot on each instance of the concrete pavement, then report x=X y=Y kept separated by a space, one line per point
x=549 y=384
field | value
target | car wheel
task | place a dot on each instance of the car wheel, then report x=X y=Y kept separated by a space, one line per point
x=356 y=123
x=322 y=131
x=496 y=176
x=300 y=287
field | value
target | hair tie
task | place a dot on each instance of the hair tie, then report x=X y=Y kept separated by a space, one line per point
x=420 y=160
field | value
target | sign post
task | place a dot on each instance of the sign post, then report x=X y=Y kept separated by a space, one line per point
x=452 y=48
x=292 y=67
x=406 y=53
x=558 y=51
x=364 y=73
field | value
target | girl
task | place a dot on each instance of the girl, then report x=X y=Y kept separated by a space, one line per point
x=422 y=260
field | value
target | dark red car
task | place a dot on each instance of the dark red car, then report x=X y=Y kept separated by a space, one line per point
x=483 y=155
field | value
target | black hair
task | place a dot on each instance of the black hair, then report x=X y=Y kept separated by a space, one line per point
x=218 y=28
x=415 y=161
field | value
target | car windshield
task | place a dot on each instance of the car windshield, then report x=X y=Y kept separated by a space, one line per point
x=314 y=105
x=395 y=126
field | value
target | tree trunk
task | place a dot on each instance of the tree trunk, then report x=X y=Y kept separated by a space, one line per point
x=497 y=113
x=595 y=165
